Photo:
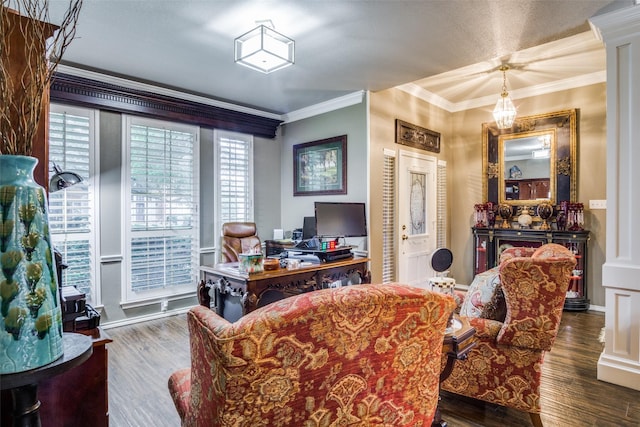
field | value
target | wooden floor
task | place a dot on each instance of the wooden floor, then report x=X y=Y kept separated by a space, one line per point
x=142 y=357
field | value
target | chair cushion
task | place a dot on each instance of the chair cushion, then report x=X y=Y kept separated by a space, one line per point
x=485 y=298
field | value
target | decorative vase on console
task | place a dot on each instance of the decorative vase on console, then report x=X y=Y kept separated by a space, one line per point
x=505 y=212
x=481 y=215
x=30 y=312
x=491 y=215
x=525 y=219
x=545 y=211
x=561 y=219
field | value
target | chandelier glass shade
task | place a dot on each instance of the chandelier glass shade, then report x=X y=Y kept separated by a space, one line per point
x=504 y=112
x=264 y=49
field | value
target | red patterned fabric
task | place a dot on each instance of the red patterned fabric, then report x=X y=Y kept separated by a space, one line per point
x=505 y=366
x=366 y=355
x=516 y=252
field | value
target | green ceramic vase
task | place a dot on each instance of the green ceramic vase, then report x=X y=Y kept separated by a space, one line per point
x=30 y=312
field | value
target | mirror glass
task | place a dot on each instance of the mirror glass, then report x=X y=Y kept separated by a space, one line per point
x=527 y=167
x=533 y=161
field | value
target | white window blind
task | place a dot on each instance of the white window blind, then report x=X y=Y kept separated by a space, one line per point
x=72 y=211
x=442 y=204
x=235 y=176
x=388 y=219
x=162 y=206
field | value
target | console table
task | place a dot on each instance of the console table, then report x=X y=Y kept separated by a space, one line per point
x=490 y=242
x=236 y=294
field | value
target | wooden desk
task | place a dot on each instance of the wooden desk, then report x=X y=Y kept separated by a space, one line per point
x=235 y=294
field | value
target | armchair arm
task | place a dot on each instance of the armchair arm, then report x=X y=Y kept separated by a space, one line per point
x=458 y=297
x=486 y=329
x=252 y=244
x=180 y=390
x=229 y=253
x=534 y=290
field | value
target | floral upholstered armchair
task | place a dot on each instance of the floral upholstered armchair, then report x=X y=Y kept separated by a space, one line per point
x=516 y=309
x=365 y=355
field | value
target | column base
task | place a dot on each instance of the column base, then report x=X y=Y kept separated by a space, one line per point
x=619 y=371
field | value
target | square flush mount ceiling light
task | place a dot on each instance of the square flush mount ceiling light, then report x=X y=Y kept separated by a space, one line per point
x=264 y=49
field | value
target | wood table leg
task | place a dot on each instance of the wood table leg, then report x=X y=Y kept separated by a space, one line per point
x=437 y=418
x=456 y=346
x=26 y=406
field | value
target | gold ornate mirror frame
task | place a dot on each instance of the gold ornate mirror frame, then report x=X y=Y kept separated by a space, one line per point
x=500 y=185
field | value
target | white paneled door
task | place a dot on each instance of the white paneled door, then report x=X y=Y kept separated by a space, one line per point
x=417 y=221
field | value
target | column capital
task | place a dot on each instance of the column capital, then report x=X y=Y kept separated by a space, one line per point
x=617 y=24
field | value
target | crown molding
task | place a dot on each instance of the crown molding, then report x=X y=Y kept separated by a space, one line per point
x=538 y=90
x=430 y=97
x=325 y=107
x=112 y=95
x=145 y=87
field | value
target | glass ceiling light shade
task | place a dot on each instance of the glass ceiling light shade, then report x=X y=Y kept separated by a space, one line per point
x=264 y=49
x=505 y=112
x=62 y=179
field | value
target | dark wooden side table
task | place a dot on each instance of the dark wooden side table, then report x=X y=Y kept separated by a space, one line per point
x=80 y=396
x=456 y=346
x=24 y=385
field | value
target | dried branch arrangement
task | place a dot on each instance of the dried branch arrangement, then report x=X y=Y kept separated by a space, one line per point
x=30 y=50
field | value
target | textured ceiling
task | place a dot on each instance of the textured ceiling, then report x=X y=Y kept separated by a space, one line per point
x=341 y=46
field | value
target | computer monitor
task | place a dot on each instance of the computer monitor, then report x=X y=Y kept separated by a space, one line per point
x=309 y=227
x=335 y=219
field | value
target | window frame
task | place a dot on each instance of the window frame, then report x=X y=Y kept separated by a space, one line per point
x=129 y=297
x=218 y=135
x=93 y=182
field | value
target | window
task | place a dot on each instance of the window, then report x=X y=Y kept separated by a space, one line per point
x=73 y=146
x=234 y=163
x=161 y=208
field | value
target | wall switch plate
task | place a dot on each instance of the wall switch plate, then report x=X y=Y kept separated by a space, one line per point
x=597 y=204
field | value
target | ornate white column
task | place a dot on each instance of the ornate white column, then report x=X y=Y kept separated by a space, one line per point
x=620 y=361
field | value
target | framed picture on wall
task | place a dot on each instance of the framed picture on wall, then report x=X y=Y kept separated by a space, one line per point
x=320 y=167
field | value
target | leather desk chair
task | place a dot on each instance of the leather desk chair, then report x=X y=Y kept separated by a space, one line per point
x=237 y=238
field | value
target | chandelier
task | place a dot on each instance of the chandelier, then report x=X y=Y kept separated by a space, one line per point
x=264 y=49
x=504 y=113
